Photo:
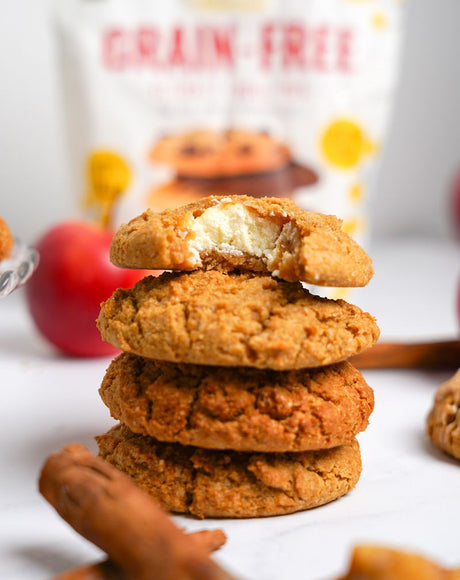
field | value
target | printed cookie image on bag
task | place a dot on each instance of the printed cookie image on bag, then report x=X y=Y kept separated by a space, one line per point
x=236 y=161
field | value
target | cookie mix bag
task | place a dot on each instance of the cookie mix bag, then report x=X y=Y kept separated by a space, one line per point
x=167 y=102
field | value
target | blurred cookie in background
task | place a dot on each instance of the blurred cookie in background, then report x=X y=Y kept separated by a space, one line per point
x=233 y=161
x=382 y=563
x=6 y=240
x=443 y=422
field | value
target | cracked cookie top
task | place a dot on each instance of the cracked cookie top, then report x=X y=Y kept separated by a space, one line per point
x=233 y=319
x=210 y=483
x=242 y=409
x=239 y=232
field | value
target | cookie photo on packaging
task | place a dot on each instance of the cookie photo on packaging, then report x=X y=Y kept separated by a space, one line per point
x=232 y=160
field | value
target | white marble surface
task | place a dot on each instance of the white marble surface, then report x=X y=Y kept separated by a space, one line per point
x=408 y=495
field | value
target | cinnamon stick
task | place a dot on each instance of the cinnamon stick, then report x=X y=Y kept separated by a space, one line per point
x=106 y=570
x=398 y=355
x=210 y=540
x=107 y=508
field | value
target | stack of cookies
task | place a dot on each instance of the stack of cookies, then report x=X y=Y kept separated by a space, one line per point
x=234 y=395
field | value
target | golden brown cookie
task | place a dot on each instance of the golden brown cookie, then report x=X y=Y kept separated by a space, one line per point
x=6 y=240
x=258 y=234
x=443 y=422
x=381 y=563
x=208 y=153
x=210 y=483
x=233 y=319
x=238 y=408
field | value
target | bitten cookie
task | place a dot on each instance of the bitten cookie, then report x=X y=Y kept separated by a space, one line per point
x=443 y=422
x=241 y=409
x=231 y=319
x=6 y=240
x=213 y=483
x=264 y=234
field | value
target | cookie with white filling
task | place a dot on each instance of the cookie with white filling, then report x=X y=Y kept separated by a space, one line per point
x=268 y=235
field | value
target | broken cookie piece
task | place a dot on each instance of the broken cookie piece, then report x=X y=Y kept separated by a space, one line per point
x=239 y=232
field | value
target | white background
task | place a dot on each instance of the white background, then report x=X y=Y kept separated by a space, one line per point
x=408 y=494
x=422 y=151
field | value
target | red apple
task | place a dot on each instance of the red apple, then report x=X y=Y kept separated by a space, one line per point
x=73 y=277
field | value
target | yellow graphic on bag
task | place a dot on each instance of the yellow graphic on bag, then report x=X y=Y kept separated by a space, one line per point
x=354 y=225
x=356 y=193
x=379 y=20
x=344 y=143
x=108 y=176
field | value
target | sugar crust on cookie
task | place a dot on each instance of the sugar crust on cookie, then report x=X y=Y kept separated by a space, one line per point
x=259 y=234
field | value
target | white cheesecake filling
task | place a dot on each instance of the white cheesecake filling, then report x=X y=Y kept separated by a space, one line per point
x=232 y=228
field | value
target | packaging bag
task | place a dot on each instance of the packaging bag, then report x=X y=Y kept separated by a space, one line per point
x=170 y=101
